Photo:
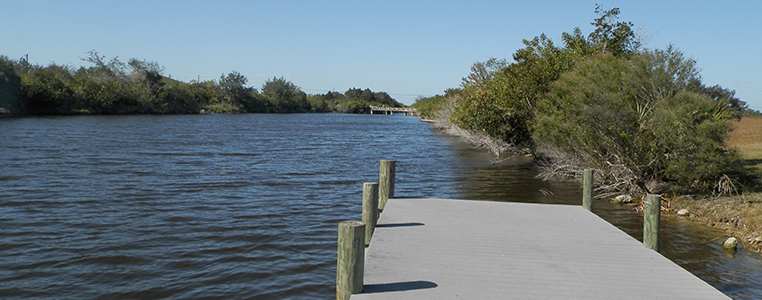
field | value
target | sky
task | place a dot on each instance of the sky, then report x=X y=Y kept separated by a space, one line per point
x=405 y=48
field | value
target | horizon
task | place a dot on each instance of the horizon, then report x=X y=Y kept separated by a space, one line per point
x=406 y=49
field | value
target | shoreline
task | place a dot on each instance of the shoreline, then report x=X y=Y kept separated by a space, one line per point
x=737 y=216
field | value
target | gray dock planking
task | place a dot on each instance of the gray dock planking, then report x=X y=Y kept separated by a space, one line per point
x=459 y=249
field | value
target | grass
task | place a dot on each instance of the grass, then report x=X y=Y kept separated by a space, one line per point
x=748 y=131
x=747 y=138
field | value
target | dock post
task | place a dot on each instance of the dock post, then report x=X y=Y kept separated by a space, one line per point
x=386 y=182
x=350 y=263
x=587 y=190
x=651 y=222
x=369 y=209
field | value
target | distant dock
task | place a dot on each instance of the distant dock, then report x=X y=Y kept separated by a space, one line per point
x=461 y=249
x=391 y=110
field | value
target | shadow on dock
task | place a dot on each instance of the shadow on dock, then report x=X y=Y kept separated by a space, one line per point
x=399 y=225
x=398 y=286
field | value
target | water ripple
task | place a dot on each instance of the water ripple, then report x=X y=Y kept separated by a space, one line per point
x=231 y=206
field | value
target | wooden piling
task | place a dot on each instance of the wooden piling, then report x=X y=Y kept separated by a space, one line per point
x=350 y=263
x=587 y=190
x=386 y=182
x=651 y=222
x=369 y=209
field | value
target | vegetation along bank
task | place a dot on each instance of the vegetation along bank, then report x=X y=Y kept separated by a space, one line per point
x=641 y=118
x=140 y=87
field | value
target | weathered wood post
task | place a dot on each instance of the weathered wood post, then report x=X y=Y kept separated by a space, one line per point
x=386 y=182
x=651 y=222
x=369 y=209
x=350 y=263
x=587 y=190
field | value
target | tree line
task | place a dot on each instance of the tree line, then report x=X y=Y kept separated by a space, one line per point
x=110 y=86
x=642 y=118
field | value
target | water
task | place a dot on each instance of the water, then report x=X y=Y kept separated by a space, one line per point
x=246 y=206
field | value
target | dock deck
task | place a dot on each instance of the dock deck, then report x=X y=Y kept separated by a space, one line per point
x=458 y=249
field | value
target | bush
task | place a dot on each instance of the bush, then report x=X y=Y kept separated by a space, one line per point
x=638 y=122
x=10 y=87
x=642 y=118
x=48 y=91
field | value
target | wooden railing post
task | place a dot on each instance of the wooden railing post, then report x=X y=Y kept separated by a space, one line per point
x=587 y=190
x=350 y=263
x=386 y=182
x=369 y=209
x=651 y=222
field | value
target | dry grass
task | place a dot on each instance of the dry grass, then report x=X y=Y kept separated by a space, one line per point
x=747 y=138
x=746 y=132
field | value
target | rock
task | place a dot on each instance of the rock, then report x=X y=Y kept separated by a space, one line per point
x=682 y=212
x=730 y=243
x=622 y=199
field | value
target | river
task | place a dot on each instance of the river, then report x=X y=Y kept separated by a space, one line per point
x=246 y=206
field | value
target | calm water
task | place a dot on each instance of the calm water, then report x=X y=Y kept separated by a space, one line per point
x=246 y=206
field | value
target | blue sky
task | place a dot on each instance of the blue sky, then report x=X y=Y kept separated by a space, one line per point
x=405 y=48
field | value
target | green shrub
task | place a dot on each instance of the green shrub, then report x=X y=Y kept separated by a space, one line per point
x=10 y=87
x=638 y=121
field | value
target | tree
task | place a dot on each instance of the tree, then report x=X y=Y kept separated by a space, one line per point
x=285 y=96
x=577 y=43
x=481 y=72
x=386 y=99
x=353 y=93
x=233 y=87
x=427 y=107
x=236 y=93
x=146 y=71
x=612 y=113
x=177 y=97
x=500 y=99
x=106 y=88
x=726 y=98
x=10 y=87
x=48 y=91
x=366 y=95
x=103 y=70
x=610 y=35
x=318 y=103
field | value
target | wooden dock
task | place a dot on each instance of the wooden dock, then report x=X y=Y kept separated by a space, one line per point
x=457 y=249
